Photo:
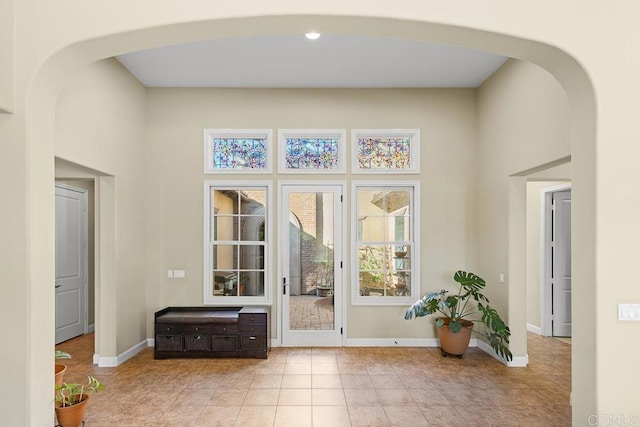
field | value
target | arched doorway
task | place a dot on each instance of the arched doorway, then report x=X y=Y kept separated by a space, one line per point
x=41 y=110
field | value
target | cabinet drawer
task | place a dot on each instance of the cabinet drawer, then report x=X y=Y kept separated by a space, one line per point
x=198 y=328
x=225 y=329
x=167 y=328
x=196 y=342
x=252 y=318
x=224 y=343
x=169 y=342
x=253 y=342
x=253 y=329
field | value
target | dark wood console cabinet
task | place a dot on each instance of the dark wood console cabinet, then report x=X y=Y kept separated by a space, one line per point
x=200 y=332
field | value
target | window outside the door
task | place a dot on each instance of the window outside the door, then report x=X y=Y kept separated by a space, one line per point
x=385 y=268
x=237 y=246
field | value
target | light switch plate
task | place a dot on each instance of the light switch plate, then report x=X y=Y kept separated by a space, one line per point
x=629 y=312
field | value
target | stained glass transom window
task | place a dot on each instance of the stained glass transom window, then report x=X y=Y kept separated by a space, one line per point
x=311 y=150
x=384 y=153
x=311 y=153
x=243 y=150
x=239 y=153
x=385 y=150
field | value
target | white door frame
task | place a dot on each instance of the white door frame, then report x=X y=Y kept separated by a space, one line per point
x=340 y=222
x=85 y=256
x=545 y=248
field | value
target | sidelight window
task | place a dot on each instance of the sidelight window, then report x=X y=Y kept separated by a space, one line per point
x=385 y=234
x=237 y=242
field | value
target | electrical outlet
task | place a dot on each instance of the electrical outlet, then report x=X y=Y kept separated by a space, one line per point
x=629 y=312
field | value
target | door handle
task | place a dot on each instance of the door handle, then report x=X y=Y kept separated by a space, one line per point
x=284 y=285
x=58 y=286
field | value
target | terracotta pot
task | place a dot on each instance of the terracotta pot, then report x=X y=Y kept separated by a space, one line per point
x=455 y=343
x=60 y=370
x=72 y=416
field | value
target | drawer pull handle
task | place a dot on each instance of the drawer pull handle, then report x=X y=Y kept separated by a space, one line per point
x=253 y=318
x=197 y=329
x=198 y=337
x=252 y=338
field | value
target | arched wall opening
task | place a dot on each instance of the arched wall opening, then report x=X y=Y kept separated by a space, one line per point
x=50 y=78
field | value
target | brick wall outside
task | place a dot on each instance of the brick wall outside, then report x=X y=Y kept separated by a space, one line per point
x=303 y=206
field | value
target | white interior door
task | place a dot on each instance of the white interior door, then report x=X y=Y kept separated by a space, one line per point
x=561 y=264
x=311 y=264
x=71 y=262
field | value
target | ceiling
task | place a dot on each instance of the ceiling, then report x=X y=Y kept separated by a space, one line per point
x=331 y=61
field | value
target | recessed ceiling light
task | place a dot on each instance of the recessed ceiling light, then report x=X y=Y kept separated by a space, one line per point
x=312 y=35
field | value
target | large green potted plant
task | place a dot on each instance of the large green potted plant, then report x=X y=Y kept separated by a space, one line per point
x=459 y=311
x=71 y=400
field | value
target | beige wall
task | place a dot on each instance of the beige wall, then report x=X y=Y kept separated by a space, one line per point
x=53 y=39
x=100 y=124
x=6 y=57
x=523 y=123
x=177 y=117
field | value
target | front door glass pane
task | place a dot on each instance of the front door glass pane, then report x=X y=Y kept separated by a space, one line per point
x=311 y=261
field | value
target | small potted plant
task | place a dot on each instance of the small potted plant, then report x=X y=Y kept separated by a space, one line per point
x=458 y=316
x=324 y=278
x=60 y=368
x=71 y=400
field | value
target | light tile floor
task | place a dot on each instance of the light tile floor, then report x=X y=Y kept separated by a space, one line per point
x=330 y=387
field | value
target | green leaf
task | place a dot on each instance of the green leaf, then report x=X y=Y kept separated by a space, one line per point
x=439 y=323
x=451 y=301
x=455 y=327
x=432 y=305
x=469 y=281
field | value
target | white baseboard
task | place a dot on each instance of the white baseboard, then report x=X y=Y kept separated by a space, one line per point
x=519 y=361
x=91 y=328
x=397 y=342
x=516 y=362
x=534 y=329
x=107 y=362
x=113 y=361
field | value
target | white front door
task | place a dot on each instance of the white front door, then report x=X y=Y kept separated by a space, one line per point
x=311 y=264
x=71 y=262
x=561 y=264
